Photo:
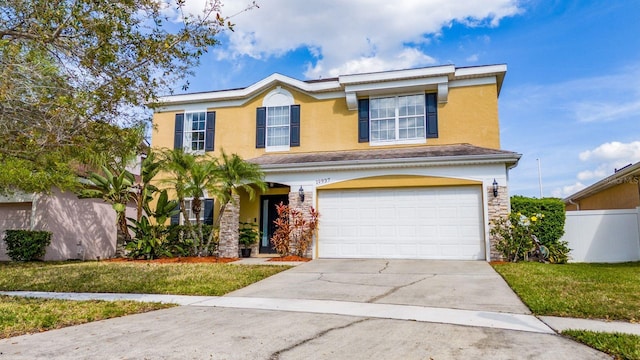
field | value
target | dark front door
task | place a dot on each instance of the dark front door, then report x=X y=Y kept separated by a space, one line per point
x=268 y=215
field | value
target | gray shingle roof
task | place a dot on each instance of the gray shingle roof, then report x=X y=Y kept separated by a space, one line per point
x=425 y=152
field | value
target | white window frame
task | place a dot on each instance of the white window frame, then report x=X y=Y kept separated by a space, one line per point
x=397 y=140
x=277 y=97
x=187 y=209
x=269 y=127
x=188 y=132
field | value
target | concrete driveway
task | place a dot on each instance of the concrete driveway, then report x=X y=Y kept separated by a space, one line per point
x=325 y=309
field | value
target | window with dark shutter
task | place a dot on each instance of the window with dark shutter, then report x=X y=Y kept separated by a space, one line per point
x=295 y=126
x=261 y=127
x=432 y=115
x=363 y=120
x=179 y=131
x=208 y=211
x=175 y=219
x=210 y=129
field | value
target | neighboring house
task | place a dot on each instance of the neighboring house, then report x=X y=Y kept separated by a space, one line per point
x=618 y=191
x=83 y=229
x=399 y=164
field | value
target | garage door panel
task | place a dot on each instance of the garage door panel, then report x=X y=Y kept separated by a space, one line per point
x=430 y=223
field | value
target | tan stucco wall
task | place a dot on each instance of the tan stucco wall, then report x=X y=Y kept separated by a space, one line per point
x=621 y=196
x=13 y=216
x=397 y=181
x=469 y=116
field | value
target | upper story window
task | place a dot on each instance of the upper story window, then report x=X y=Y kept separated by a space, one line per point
x=397 y=118
x=195 y=131
x=403 y=119
x=194 y=125
x=278 y=122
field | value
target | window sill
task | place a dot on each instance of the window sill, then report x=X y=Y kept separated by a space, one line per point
x=277 y=148
x=398 y=142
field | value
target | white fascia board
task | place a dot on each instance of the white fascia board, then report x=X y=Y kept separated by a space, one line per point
x=480 y=70
x=390 y=86
x=242 y=94
x=391 y=163
x=473 y=82
x=397 y=75
x=234 y=103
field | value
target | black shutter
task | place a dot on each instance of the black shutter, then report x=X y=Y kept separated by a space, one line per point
x=432 y=115
x=261 y=127
x=363 y=120
x=178 y=134
x=208 y=211
x=295 y=126
x=175 y=219
x=210 y=131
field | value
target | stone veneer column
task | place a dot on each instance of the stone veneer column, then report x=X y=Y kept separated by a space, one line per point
x=497 y=207
x=229 y=232
x=295 y=203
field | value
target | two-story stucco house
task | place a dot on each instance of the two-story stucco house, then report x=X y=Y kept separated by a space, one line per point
x=399 y=164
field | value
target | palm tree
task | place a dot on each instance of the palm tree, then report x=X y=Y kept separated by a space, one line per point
x=115 y=188
x=178 y=164
x=231 y=174
x=149 y=168
x=201 y=175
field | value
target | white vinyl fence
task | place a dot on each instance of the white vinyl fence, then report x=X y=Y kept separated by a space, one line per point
x=603 y=235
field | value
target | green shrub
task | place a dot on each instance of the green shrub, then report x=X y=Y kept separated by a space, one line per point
x=551 y=229
x=26 y=245
x=513 y=236
x=179 y=243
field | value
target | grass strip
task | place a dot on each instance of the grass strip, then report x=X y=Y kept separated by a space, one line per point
x=621 y=346
x=19 y=316
x=210 y=279
x=597 y=291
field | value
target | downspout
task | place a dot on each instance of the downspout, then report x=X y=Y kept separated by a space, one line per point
x=576 y=204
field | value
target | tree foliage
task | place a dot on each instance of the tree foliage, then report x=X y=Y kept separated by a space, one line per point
x=68 y=66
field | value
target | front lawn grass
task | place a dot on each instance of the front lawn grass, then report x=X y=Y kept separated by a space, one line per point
x=599 y=291
x=212 y=279
x=20 y=316
x=25 y=315
x=621 y=346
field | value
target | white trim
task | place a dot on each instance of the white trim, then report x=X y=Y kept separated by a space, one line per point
x=321 y=86
x=391 y=163
x=277 y=148
x=480 y=70
x=473 y=82
x=388 y=87
x=278 y=97
x=420 y=140
x=398 y=74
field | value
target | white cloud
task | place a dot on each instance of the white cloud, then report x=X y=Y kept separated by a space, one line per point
x=568 y=190
x=354 y=36
x=613 y=151
x=473 y=58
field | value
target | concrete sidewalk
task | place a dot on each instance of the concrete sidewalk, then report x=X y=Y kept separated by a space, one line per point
x=489 y=319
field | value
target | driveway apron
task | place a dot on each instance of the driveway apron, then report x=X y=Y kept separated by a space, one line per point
x=468 y=285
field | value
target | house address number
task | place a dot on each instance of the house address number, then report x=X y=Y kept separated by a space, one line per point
x=322 y=181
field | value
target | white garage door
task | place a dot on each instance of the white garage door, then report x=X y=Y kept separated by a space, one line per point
x=406 y=223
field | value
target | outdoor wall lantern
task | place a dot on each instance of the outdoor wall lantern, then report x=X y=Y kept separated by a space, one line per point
x=301 y=194
x=495 y=188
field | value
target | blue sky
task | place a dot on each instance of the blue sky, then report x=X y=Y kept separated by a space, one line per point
x=571 y=97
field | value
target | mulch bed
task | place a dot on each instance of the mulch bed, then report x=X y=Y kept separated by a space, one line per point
x=290 y=258
x=190 y=259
